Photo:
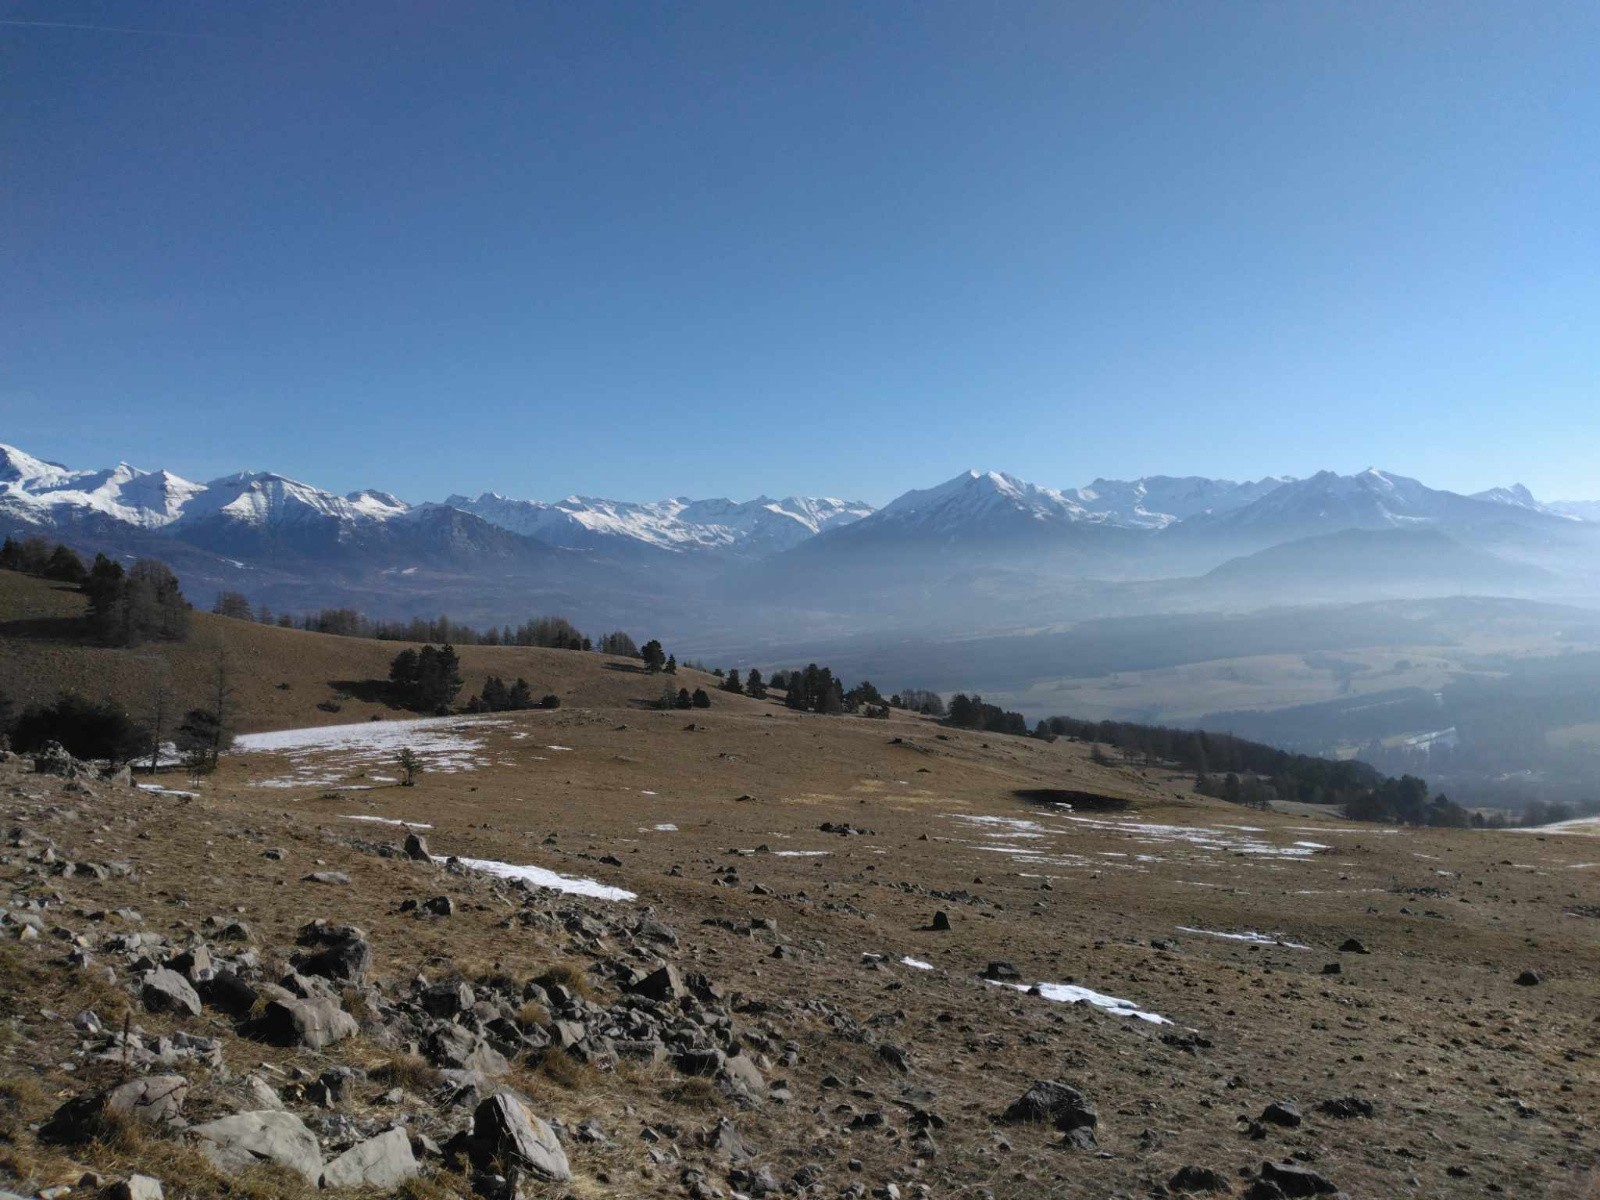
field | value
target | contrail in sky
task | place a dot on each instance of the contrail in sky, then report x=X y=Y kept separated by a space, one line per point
x=119 y=29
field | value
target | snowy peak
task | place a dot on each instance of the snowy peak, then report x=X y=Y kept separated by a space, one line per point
x=148 y=499
x=1373 y=499
x=760 y=526
x=975 y=499
x=265 y=501
x=1156 y=501
x=23 y=469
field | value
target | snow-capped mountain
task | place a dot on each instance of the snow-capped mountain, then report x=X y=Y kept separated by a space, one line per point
x=261 y=500
x=1328 y=502
x=751 y=528
x=148 y=499
x=1157 y=501
x=979 y=499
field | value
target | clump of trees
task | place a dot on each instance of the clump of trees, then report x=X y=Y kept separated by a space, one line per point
x=127 y=606
x=496 y=696
x=970 y=712
x=426 y=680
x=142 y=604
x=36 y=556
x=618 y=643
x=919 y=700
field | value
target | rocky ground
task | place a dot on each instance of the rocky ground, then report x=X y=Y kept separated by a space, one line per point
x=795 y=956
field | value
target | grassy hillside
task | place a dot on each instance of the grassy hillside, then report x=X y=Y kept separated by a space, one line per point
x=279 y=676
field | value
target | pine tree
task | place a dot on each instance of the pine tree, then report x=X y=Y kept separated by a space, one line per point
x=753 y=686
x=700 y=699
x=732 y=684
x=683 y=699
x=654 y=657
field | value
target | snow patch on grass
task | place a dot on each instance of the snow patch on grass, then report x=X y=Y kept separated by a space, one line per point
x=1259 y=939
x=1071 y=993
x=572 y=885
x=386 y=821
x=326 y=754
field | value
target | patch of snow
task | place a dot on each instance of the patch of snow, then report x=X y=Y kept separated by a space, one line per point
x=1259 y=939
x=801 y=853
x=325 y=754
x=386 y=821
x=156 y=789
x=573 y=885
x=665 y=827
x=1071 y=993
x=917 y=963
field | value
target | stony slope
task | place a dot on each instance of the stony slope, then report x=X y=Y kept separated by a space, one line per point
x=792 y=1047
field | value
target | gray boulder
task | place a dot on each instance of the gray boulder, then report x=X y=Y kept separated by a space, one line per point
x=136 y=1187
x=313 y=1023
x=454 y=1046
x=384 y=1161
x=417 y=848
x=162 y=990
x=236 y=1143
x=154 y=1100
x=662 y=984
x=504 y=1131
x=1065 y=1107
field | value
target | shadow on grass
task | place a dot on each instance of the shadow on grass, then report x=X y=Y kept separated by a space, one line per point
x=1080 y=801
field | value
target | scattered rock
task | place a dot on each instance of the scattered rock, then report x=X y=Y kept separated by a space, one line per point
x=1353 y=946
x=1529 y=979
x=1198 y=1179
x=1293 y=1179
x=337 y=878
x=417 y=848
x=313 y=1023
x=1346 y=1108
x=239 y=1142
x=162 y=990
x=383 y=1162
x=1283 y=1112
x=155 y=1100
x=504 y=1132
x=136 y=1187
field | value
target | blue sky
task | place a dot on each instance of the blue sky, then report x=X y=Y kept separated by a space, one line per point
x=652 y=249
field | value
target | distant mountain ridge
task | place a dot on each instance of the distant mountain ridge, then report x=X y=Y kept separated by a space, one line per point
x=981 y=540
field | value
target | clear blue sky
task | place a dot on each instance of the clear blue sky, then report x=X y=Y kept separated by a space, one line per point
x=679 y=248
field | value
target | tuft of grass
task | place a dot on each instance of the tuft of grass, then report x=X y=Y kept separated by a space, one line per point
x=568 y=976
x=409 y=1071
x=693 y=1092
x=441 y=1185
x=532 y=1014
x=561 y=1069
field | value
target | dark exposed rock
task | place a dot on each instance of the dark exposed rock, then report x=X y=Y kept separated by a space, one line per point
x=1294 y=1179
x=1346 y=1108
x=1065 y=1107
x=1282 y=1112
x=1198 y=1179
x=1529 y=979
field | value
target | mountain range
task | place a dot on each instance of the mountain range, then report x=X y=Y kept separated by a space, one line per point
x=979 y=537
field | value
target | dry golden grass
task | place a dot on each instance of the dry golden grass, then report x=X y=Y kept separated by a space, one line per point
x=567 y=976
x=409 y=1071
x=532 y=1014
x=279 y=676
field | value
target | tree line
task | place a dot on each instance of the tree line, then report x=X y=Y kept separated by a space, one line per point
x=127 y=606
x=547 y=632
